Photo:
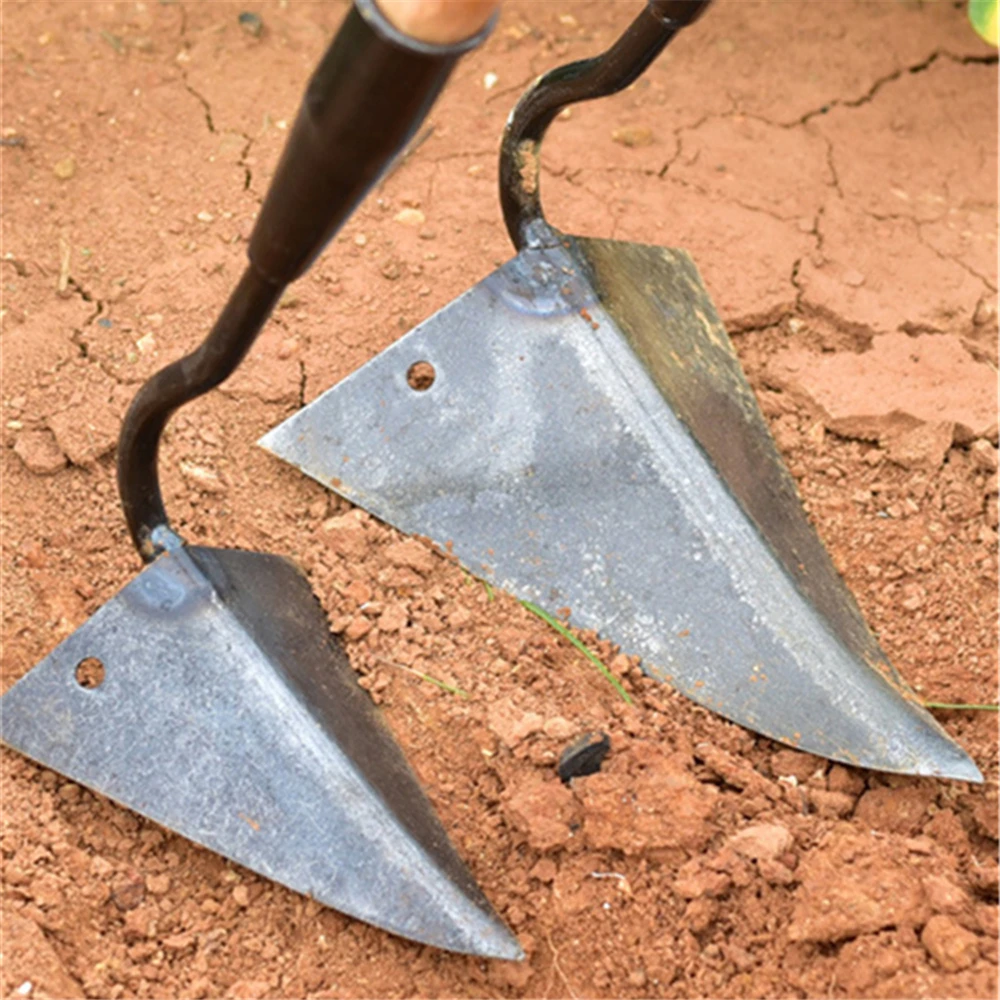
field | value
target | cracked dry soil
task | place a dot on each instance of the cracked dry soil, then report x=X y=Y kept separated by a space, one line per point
x=832 y=168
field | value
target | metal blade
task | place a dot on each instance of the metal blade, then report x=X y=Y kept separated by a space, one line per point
x=227 y=715
x=589 y=441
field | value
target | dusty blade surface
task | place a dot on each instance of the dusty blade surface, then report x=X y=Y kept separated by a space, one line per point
x=227 y=715
x=590 y=442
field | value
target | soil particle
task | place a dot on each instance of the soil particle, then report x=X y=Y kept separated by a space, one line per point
x=411 y=554
x=831 y=805
x=944 y=896
x=851 y=885
x=900 y=810
x=511 y=724
x=695 y=881
x=544 y=810
x=801 y=765
x=765 y=842
x=346 y=536
x=128 y=893
x=949 y=944
x=394 y=618
x=558 y=728
x=28 y=957
x=633 y=136
x=158 y=885
x=39 y=452
x=86 y=432
x=646 y=804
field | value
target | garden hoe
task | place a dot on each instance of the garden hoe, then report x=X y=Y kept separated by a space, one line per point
x=208 y=694
x=577 y=430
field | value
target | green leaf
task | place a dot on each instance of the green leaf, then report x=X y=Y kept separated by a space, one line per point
x=566 y=634
x=983 y=17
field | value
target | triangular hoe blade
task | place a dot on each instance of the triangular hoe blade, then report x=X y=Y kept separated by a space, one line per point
x=590 y=441
x=226 y=714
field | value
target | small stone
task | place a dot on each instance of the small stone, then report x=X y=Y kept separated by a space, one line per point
x=775 y=873
x=584 y=756
x=921 y=447
x=490 y=81
x=411 y=554
x=949 y=944
x=637 y=979
x=700 y=914
x=179 y=942
x=394 y=618
x=986 y=312
x=900 y=810
x=831 y=805
x=694 y=882
x=361 y=240
x=390 y=270
x=983 y=455
x=764 y=842
x=558 y=728
x=146 y=344
x=459 y=617
x=202 y=478
x=158 y=884
x=853 y=278
x=251 y=23
x=39 y=452
x=785 y=762
x=346 y=536
x=914 y=597
x=65 y=168
x=204 y=216
x=545 y=870
x=359 y=628
x=843 y=779
x=410 y=217
x=86 y=432
x=129 y=894
x=542 y=809
x=944 y=896
x=241 y=895
x=358 y=591
x=633 y=137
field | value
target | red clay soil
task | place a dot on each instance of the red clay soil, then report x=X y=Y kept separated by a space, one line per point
x=832 y=168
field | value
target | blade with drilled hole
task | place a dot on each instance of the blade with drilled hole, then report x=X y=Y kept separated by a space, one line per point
x=218 y=707
x=589 y=441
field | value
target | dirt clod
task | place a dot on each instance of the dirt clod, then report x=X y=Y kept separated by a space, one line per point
x=39 y=452
x=949 y=944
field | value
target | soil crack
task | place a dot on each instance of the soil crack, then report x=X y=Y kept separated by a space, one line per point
x=204 y=103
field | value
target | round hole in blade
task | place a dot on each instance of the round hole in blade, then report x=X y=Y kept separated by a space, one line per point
x=90 y=673
x=420 y=376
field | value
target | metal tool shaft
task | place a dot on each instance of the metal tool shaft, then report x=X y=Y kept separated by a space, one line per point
x=585 y=80
x=367 y=97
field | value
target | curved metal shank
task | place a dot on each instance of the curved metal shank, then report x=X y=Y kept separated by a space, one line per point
x=367 y=97
x=585 y=80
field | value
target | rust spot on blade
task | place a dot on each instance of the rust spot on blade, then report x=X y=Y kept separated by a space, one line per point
x=252 y=823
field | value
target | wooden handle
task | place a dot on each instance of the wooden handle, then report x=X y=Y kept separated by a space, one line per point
x=438 y=22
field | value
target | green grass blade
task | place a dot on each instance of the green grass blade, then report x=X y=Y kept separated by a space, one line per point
x=450 y=688
x=960 y=706
x=566 y=634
